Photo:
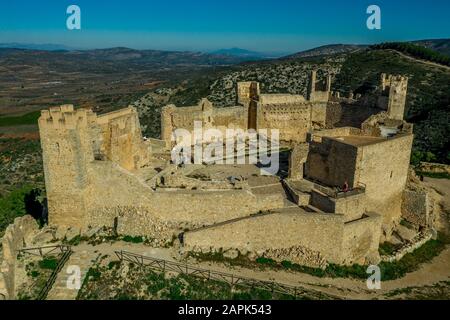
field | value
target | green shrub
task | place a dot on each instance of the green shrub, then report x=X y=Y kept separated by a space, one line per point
x=75 y=240
x=93 y=274
x=132 y=239
x=434 y=175
x=387 y=248
x=34 y=274
x=411 y=261
x=48 y=263
x=13 y=206
x=113 y=265
x=266 y=261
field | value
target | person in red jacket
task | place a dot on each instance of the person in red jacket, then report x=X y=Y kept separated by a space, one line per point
x=345 y=187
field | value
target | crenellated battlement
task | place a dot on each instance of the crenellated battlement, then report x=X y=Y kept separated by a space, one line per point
x=65 y=117
x=388 y=81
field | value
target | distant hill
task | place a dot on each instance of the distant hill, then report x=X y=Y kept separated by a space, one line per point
x=327 y=50
x=246 y=54
x=139 y=58
x=439 y=45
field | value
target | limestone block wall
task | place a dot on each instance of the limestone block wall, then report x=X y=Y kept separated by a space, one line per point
x=17 y=235
x=297 y=159
x=361 y=240
x=317 y=234
x=352 y=207
x=416 y=207
x=291 y=234
x=332 y=162
x=397 y=97
x=292 y=120
x=434 y=167
x=205 y=208
x=218 y=118
x=383 y=168
x=230 y=117
x=281 y=98
x=246 y=91
x=121 y=138
x=117 y=193
x=319 y=114
x=333 y=114
x=334 y=132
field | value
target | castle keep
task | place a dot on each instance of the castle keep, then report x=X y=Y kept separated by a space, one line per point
x=341 y=196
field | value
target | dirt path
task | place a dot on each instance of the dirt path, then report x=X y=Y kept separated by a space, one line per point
x=428 y=274
x=433 y=64
x=442 y=187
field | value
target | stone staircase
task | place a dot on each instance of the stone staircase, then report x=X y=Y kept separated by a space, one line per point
x=60 y=290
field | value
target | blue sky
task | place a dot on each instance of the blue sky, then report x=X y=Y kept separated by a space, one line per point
x=262 y=25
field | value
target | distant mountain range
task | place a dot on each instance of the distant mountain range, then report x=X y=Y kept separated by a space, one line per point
x=246 y=54
x=439 y=45
x=231 y=55
x=140 y=58
x=327 y=50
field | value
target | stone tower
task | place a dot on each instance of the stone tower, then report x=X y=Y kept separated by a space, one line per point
x=316 y=94
x=397 y=97
x=312 y=85
x=247 y=91
x=166 y=124
x=66 y=141
x=395 y=87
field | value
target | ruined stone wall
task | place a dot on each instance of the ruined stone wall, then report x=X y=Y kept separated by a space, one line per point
x=230 y=117
x=297 y=160
x=361 y=240
x=383 y=168
x=121 y=140
x=319 y=115
x=352 y=207
x=210 y=117
x=296 y=236
x=332 y=162
x=291 y=114
x=247 y=91
x=334 y=132
x=398 y=87
x=416 y=207
x=117 y=193
x=434 y=167
x=316 y=234
x=280 y=98
x=292 y=120
x=333 y=114
x=71 y=141
x=17 y=235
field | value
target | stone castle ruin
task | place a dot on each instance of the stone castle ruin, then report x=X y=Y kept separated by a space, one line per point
x=341 y=197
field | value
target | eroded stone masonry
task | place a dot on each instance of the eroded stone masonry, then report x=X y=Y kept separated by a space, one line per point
x=341 y=194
